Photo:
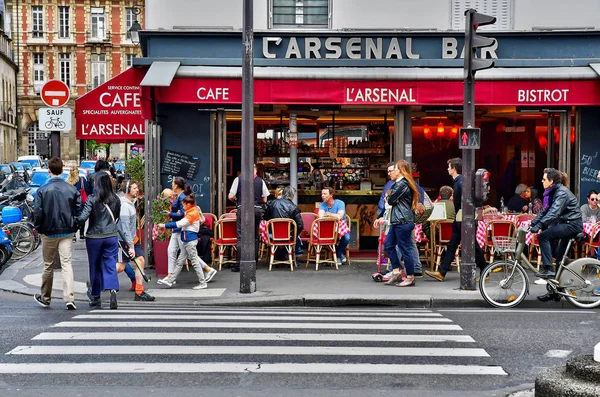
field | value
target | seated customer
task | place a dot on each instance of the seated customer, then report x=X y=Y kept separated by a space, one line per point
x=591 y=211
x=445 y=196
x=520 y=201
x=284 y=207
x=332 y=207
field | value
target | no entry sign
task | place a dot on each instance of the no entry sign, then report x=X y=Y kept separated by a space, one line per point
x=55 y=93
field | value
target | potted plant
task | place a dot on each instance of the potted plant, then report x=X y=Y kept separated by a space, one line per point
x=160 y=236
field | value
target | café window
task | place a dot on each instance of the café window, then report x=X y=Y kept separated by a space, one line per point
x=37 y=18
x=300 y=13
x=501 y=9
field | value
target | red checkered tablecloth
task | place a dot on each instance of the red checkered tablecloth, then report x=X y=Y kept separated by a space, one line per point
x=587 y=229
x=419 y=236
x=262 y=229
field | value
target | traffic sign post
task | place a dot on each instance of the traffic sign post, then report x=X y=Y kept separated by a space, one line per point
x=55 y=94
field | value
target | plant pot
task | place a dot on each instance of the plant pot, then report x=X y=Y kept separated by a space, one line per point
x=161 y=258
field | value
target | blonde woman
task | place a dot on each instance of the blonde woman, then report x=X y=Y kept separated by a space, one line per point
x=80 y=183
x=403 y=198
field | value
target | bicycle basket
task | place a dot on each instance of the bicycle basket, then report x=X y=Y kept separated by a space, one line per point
x=504 y=244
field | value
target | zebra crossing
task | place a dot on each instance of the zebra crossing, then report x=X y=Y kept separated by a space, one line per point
x=261 y=341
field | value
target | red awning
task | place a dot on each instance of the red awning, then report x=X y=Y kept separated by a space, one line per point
x=112 y=113
x=377 y=93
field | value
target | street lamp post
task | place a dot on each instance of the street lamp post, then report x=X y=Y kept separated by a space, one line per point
x=134 y=29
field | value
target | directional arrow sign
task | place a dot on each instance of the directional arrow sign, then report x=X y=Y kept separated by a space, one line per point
x=55 y=93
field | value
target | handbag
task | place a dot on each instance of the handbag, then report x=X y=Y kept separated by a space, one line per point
x=82 y=191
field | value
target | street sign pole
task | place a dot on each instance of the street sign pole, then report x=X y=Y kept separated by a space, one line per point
x=55 y=144
x=472 y=21
x=246 y=217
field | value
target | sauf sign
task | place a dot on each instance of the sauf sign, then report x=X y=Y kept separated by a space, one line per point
x=113 y=111
x=361 y=48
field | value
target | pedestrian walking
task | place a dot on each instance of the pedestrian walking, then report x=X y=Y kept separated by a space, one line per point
x=102 y=208
x=80 y=184
x=56 y=205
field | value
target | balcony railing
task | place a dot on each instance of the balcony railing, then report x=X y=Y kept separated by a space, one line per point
x=100 y=37
x=6 y=46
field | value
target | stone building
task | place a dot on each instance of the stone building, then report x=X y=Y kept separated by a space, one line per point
x=80 y=42
x=8 y=78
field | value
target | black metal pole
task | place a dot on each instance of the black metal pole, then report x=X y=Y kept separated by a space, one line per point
x=55 y=142
x=467 y=266
x=247 y=254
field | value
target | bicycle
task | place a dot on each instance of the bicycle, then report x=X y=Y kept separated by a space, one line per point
x=505 y=284
x=54 y=123
x=22 y=238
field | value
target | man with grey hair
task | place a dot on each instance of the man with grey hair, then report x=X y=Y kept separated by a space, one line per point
x=520 y=201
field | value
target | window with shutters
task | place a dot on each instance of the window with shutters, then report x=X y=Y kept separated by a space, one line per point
x=37 y=21
x=501 y=9
x=64 y=23
x=300 y=13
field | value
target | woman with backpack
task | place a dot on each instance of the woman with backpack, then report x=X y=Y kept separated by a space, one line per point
x=81 y=185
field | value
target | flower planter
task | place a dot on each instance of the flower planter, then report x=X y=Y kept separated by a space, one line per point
x=161 y=258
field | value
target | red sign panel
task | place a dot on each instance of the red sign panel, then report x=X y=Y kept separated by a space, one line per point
x=113 y=111
x=55 y=93
x=346 y=92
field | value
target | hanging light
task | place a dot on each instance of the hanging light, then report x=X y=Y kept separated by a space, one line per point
x=453 y=132
x=557 y=134
x=543 y=141
x=440 y=130
x=572 y=134
x=427 y=132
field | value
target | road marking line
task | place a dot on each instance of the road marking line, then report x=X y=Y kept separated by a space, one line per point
x=245 y=350
x=147 y=310
x=170 y=324
x=558 y=353
x=258 y=368
x=517 y=311
x=250 y=336
x=126 y=316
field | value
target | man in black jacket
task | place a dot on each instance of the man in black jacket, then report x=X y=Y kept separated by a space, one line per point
x=56 y=205
x=560 y=219
x=284 y=207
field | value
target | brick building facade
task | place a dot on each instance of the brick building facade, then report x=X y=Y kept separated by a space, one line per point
x=80 y=42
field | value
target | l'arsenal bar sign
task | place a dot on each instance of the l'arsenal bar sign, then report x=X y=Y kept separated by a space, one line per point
x=112 y=112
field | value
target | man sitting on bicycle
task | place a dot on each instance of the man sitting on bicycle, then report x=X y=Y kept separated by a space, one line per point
x=560 y=220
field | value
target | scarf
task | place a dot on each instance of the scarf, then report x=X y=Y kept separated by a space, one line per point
x=547 y=193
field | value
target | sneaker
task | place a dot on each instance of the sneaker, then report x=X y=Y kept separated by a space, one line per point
x=95 y=302
x=418 y=275
x=82 y=237
x=210 y=274
x=113 y=299
x=339 y=261
x=343 y=257
x=200 y=286
x=166 y=282
x=596 y=292
x=74 y=239
x=545 y=274
x=540 y=281
x=144 y=297
x=437 y=275
x=71 y=306
x=40 y=301
x=89 y=291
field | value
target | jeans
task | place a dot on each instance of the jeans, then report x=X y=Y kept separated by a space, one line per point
x=341 y=247
x=258 y=214
x=400 y=236
x=452 y=246
x=415 y=255
x=553 y=241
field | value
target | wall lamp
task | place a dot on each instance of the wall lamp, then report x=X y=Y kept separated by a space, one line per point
x=134 y=30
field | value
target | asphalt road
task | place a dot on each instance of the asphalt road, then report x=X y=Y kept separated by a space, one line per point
x=517 y=343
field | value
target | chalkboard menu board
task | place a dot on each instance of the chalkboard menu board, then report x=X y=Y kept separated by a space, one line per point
x=589 y=152
x=180 y=164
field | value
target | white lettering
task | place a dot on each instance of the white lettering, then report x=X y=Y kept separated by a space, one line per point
x=375 y=49
x=393 y=50
x=353 y=47
x=380 y=95
x=490 y=52
x=124 y=99
x=542 y=95
x=312 y=45
x=111 y=129
x=409 y=53
x=449 y=48
x=333 y=44
x=213 y=94
x=266 y=41
x=293 y=49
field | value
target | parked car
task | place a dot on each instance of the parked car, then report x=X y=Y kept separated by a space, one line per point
x=40 y=177
x=10 y=179
x=35 y=161
x=21 y=171
x=88 y=165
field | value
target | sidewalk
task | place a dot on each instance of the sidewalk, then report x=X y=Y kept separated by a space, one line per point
x=351 y=285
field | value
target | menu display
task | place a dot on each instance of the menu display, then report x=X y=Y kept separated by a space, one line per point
x=180 y=164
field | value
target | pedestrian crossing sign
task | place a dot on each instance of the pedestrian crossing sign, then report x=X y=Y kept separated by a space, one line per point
x=469 y=138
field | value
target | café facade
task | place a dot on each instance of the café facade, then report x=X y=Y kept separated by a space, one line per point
x=360 y=99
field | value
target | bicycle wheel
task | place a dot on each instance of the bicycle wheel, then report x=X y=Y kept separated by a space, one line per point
x=585 y=296
x=503 y=284
x=5 y=255
x=49 y=125
x=22 y=239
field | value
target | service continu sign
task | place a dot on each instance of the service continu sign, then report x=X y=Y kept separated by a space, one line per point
x=113 y=111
